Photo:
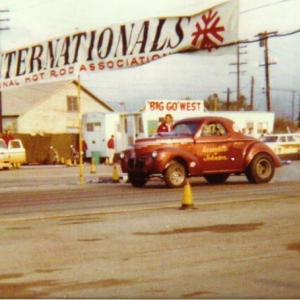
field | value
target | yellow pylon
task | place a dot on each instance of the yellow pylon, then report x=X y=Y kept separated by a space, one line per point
x=62 y=160
x=69 y=162
x=106 y=161
x=115 y=176
x=187 y=199
x=93 y=167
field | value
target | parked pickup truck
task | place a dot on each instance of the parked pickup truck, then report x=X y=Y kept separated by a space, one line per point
x=212 y=147
x=12 y=155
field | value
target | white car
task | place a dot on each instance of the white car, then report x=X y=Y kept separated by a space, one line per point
x=284 y=144
x=13 y=155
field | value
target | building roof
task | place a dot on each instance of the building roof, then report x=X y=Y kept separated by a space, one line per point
x=17 y=101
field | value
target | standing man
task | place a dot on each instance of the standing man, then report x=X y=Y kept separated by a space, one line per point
x=111 y=149
x=167 y=125
x=250 y=132
x=84 y=149
x=7 y=137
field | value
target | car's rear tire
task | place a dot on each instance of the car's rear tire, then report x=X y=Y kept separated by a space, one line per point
x=261 y=169
x=216 y=178
x=175 y=175
x=137 y=180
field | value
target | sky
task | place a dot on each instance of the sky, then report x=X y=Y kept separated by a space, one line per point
x=178 y=76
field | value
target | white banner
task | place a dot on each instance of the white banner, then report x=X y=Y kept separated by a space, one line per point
x=120 y=46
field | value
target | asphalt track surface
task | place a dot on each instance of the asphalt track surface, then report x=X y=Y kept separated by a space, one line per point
x=64 y=239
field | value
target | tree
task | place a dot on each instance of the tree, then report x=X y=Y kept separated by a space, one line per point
x=214 y=103
x=282 y=125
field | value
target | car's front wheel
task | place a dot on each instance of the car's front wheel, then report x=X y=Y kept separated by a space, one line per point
x=137 y=180
x=261 y=169
x=175 y=175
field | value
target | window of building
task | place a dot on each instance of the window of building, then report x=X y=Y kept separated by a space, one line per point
x=72 y=104
x=140 y=125
x=261 y=126
x=97 y=126
x=89 y=126
x=93 y=126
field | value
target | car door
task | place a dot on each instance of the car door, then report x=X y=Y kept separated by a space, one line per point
x=216 y=151
x=16 y=151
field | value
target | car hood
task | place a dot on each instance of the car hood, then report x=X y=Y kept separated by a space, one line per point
x=147 y=145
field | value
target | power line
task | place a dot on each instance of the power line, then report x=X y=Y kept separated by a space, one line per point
x=35 y=5
x=240 y=42
x=262 y=6
x=285 y=90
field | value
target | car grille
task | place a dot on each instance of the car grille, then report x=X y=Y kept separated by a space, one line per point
x=136 y=163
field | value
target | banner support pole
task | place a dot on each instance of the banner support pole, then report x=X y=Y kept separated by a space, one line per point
x=81 y=179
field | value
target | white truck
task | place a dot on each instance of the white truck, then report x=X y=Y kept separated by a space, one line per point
x=12 y=155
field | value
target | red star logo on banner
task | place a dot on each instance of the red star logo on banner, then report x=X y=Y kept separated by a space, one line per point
x=207 y=34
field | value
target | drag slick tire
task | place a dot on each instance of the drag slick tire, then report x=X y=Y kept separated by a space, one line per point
x=175 y=175
x=216 y=178
x=261 y=169
x=137 y=180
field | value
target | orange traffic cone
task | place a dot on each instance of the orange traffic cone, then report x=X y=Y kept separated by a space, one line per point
x=187 y=200
x=115 y=176
x=93 y=167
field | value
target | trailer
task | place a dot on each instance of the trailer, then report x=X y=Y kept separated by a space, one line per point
x=97 y=128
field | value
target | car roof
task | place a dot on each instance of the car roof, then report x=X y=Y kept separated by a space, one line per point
x=205 y=119
x=284 y=134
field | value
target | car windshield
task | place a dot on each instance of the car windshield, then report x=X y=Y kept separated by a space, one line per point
x=2 y=144
x=269 y=139
x=185 y=128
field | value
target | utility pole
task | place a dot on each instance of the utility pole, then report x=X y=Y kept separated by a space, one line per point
x=252 y=93
x=215 y=101
x=293 y=105
x=263 y=37
x=228 y=99
x=2 y=28
x=238 y=72
x=228 y=92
